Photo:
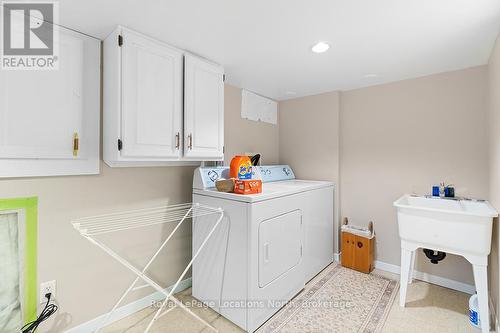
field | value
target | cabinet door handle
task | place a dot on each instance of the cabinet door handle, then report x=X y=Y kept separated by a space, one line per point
x=190 y=140
x=76 y=144
x=177 y=140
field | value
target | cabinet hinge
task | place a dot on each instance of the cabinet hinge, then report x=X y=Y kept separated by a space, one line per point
x=223 y=149
x=120 y=40
x=120 y=144
x=223 y=77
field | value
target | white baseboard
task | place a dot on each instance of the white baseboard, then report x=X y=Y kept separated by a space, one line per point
x=430 y=278
x=426 y=277
x=128 y=309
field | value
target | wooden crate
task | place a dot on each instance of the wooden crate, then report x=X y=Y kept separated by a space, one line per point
x=357 y=251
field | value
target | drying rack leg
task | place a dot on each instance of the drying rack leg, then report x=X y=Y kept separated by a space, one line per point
x=143 y=276
x=181 y=305
x=170 y=296
x=110 y=313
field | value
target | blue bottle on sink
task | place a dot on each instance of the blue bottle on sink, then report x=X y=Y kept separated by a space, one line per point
x=435 y=191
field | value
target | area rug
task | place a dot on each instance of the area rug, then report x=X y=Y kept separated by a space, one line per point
x=337 y=300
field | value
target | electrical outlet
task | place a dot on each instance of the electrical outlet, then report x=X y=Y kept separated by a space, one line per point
x=45 y=288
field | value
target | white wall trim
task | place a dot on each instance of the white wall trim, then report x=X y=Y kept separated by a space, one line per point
x=434 y=279
x=426 y=277
x=128 y=309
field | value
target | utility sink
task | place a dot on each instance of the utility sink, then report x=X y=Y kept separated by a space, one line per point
x=458 y=226
x=448 y=225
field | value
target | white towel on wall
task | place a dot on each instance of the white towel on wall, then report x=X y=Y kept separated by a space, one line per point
x=10 y=290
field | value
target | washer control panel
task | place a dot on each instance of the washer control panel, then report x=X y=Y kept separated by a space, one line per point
x=273 y=173
x=205 y=177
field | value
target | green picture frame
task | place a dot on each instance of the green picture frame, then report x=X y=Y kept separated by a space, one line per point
x=30 y=207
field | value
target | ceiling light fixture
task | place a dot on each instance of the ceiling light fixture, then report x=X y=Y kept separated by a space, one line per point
x=371 y=75
x=320 y=47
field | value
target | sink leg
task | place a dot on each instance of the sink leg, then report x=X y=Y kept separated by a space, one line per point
x=481 y=280
x=412 y=266
x=404 y=275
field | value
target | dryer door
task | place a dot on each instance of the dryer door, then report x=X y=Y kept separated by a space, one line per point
x=276 y=272
x=280 y=246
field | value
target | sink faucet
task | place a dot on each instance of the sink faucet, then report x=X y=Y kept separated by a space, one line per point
x=441 y=189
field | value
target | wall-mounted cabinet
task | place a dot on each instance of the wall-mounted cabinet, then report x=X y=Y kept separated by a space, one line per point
x=49 y=119
x=161 y=106
x=203 y=109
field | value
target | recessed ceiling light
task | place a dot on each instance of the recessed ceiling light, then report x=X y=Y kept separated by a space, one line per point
x=371 y=75
x=290 y=93
x=320 y=47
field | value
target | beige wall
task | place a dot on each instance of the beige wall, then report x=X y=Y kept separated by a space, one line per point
x=494 y=168
x=308 y=137
x=389 y=140
x=88 y=280
x=246 y=136
x=406 y=136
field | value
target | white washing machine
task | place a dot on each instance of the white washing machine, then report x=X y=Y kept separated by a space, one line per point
x=267 y=247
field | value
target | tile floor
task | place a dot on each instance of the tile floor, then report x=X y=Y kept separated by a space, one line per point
x=429 y=309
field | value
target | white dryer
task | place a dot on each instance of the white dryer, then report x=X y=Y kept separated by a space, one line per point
x=267 y=247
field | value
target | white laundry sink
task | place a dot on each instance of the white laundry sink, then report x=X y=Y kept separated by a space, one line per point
x=458 y=226
x=447 y=225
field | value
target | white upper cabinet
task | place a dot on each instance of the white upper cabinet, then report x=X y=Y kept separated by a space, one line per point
x=152 y=98
x=49 y=119
x=203 y=109
x=142 y=100
x=145 y=121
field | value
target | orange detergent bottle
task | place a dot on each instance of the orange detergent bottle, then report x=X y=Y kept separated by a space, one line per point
x=241 y=170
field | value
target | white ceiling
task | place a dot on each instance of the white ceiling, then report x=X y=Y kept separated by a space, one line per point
x=264 y=45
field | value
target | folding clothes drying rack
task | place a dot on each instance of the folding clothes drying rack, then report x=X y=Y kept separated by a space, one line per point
x=91 y=227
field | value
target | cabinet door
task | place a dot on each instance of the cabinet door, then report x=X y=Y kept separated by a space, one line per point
x=362 y=258
x=348 y=249
x=203 y=109
x=151 y=98
x=43 y=111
